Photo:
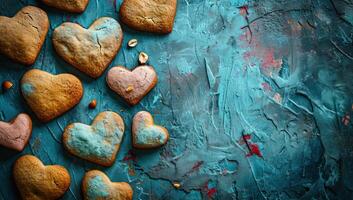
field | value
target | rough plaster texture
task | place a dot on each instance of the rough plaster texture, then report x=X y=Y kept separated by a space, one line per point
x=257 y=97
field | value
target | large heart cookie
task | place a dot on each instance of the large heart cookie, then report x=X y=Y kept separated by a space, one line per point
x=23 y=35
x=36 y=181
x=156 y=16
x=132 y=85
x=96 y=185
x=75 y=6
x=15 y=135
x=89 y=50
x=98 y=143
x=49 y=96
x=145 y=134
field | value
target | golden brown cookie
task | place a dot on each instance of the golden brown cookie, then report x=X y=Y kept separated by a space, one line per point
x=15 y=135
x=23 y=35
x=97 y=186
x=74 y=6
x=49 y=96
x=155 y=16
x=132 y=85
x=36 y=181
x=99 y=142
x=145 y=134
x=89 y=50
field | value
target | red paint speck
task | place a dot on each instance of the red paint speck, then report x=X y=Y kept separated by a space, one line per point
x=266 y=87
x=244 y=10
x=254 y=150
x=346 y=119
x=197 y=165
x=269 y=60
x=130 y=156
x=211 y=192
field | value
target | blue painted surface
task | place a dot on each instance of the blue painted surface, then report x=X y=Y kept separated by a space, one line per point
x=280 y=70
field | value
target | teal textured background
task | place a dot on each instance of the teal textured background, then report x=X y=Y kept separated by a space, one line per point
x=256 y=94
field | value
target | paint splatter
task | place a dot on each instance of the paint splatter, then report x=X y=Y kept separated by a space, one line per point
x=252 y=147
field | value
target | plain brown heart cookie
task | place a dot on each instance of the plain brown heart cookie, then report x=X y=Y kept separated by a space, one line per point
x=145 y=134
x=75 y=6
x=23 y=35
x=156 y=16
x=97 y=185
x=49 y=96
x=36 y=181
x=99 y=142
x=89 y=50
x=132 y=85
x=15 y=134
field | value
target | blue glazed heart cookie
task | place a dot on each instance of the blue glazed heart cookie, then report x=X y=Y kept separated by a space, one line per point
x=89 y=50
x=98 y=143
x=145 y=134
x=96 y=185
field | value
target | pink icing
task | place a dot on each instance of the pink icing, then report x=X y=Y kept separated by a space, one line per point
x=15 y=134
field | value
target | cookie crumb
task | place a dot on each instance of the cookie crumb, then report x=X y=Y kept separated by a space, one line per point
x=176 y=185
x=143 y=58
x=93 y=104
x=7 y=85
x=129 y=89
x=132 y=43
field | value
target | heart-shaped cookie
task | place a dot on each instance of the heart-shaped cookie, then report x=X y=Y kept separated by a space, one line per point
x=75 y=6
x=132 y=85
x=15 y=135
x=98 y=143
x=145 y=134
x=97 y=185
x=37 y=181
x=89 y=50
x=23 y=35
x=156 y=16
x=49 y=96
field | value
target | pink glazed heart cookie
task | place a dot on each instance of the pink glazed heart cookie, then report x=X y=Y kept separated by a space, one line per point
x=99 y=142
x=133 y=85
x=15 y=134
x=145 y=134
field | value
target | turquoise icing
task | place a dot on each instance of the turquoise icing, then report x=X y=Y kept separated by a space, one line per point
x=106 y=29
x=150 y=135
x=97 y=142
x=27 y=89
x=96 y=188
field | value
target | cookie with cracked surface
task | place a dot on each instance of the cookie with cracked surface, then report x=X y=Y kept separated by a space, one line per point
x=133 y=85
x=74 y=6
x=155 y=16
x=50 y=96
x=15 y=134
x=89 y=50
x=145 y=134
x=23 y=35
x=98 y=142
x=97 y=185
x=35 y=181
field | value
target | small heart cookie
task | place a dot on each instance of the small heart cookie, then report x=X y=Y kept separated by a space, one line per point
x=37 y=181
x=89 y=50
x=98 y=143
x=132 y=85
x=97 y=185
x=49 y=96
x=156 y=16
x=75 y=6
x=15 y=135
x=23 y=35
x=145 y=134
